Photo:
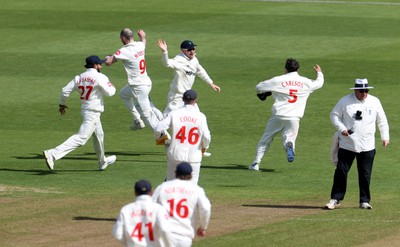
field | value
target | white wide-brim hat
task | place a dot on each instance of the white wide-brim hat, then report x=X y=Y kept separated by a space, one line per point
x=361 y=84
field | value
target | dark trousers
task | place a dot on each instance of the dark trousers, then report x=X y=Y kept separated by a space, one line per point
x=365 y=161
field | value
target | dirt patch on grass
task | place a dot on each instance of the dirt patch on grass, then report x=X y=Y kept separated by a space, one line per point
x=66 y=222
x=228 y=218
x=4 y=188
x=69 y=222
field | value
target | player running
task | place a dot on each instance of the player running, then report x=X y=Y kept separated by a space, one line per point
x=290 y=92
x=92 y=86
x=186 y=67
x=190 y=136
x=143 y=222
x=187 y=204
x=135 y=95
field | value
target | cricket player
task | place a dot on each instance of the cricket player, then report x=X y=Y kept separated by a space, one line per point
x=92 y=86
x=290 y=92
x=143 y=223
x=187 y=204
x=186 y=67
x=191 y=136
x=135 y=95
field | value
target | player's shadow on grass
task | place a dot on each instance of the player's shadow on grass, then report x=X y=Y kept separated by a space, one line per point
x=39 y=172
x=281 y=206
x=234 y=167
x=93 y=218
x=80 y=157
x=76 y=157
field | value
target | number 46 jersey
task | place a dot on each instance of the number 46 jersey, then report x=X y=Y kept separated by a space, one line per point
x=187 y=205
x=190 y=133
x=91 y=85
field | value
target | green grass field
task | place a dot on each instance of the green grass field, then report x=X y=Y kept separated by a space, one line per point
x=44 y=43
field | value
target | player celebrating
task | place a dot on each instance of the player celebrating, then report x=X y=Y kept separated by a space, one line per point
x=187 y=205
x=135 y=95
x=186 y=67
x=143 y=222
x=91 y=85
x=290 y=92
x=191 y=136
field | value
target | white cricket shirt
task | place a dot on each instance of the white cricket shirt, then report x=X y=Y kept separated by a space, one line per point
x=187 y=205
x=189 y=135
x=91 y=85
x=290 y=92
x=363 y=138
x=185 y=72
x=132 y=56
x=143 y=223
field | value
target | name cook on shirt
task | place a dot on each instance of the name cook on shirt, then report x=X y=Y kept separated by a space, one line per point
x=188 y=119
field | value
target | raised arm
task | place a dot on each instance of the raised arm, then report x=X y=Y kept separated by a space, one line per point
x=142 y=36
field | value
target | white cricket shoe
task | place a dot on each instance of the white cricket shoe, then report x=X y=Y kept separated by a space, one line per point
x=365 y=205
x=332 y=204
x=206 y=154
x=254 y=167
x=49 y=159
x=109 y=161
x=138 y=125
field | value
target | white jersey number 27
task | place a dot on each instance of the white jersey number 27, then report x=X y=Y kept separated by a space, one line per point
x=85 y=91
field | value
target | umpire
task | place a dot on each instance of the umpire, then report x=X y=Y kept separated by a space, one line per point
x=355 y=116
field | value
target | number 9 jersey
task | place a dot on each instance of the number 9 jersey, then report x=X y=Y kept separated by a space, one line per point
x=132 y=56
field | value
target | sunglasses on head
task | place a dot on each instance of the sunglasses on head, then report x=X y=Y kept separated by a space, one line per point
x=191 y=49
x=363 y=90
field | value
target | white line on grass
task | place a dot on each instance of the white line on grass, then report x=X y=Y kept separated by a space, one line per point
x=323 y=2
x=349 y=220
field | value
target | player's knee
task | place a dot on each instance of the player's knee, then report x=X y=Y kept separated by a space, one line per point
x=82 y=139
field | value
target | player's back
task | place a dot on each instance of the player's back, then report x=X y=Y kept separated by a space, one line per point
x=140 y=222
x=180 y=198
x=133 y=57
x=188 y=127
x=92 y=87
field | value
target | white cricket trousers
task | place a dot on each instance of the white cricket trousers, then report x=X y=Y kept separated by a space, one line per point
x=289 y=130
x=136 y=99
x=181 y=241
x=171 y=167
x=91 y=124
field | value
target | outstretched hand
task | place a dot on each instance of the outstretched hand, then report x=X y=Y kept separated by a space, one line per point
x=215 y=87
x=162 y=44
x=317 y=68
